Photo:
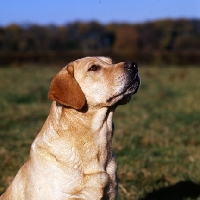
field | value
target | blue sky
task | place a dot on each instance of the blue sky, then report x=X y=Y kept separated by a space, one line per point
x=104 y=11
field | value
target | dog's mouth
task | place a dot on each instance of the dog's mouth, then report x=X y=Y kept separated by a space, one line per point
x=128 y=91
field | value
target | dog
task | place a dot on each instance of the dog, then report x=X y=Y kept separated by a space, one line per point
x=72 y=157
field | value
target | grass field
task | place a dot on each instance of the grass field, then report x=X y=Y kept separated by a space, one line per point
x=157 y=135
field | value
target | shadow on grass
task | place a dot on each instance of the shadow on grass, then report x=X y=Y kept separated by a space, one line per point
x=179 y=191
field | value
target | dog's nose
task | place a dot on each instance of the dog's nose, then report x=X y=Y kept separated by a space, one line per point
x=130 y=65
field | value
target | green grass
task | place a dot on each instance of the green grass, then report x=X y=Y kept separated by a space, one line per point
x=157 y=135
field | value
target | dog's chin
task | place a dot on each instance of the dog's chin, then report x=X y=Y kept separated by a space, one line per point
x=130 y=91
x=124 y=100
x=125 y=96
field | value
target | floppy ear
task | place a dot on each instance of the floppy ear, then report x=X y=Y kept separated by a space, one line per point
x=65 y=90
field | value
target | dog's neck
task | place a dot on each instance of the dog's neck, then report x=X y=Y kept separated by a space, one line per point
x=66 y=125
x=92 y=118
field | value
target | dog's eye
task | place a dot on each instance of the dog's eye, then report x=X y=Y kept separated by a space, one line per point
x=94 y=68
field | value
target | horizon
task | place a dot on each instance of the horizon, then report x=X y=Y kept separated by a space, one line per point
x=87 y=22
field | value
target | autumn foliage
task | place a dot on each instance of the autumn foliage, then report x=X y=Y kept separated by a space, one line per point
x=159 y=42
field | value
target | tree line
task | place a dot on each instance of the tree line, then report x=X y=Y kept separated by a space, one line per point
x=163 y=41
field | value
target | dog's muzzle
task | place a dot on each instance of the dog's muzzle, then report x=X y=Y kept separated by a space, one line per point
x=133 y=82
x=133 y=76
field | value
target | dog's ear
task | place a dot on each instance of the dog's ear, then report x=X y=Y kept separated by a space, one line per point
x=65 y=90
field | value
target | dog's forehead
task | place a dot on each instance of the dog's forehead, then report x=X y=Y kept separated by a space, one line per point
x=105 y=59
x=96 y=60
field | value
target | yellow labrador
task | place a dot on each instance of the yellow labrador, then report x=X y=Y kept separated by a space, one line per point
x=72 y=158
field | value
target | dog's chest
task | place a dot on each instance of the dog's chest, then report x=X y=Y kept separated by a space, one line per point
x=89 y=152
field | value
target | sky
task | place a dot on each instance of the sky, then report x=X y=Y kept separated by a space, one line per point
x=61 y=12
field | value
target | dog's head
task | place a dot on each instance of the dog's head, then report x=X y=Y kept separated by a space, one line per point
x=95 y=81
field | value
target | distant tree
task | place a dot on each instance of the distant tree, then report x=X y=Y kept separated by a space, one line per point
x=61 y=41
x=153 y=40
x=109 y=36
x=167 y=34
x=92 y=35
x=126 y=40
x=2 y=33
x=147 y=36
x=11 y=36
x=187 y=36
